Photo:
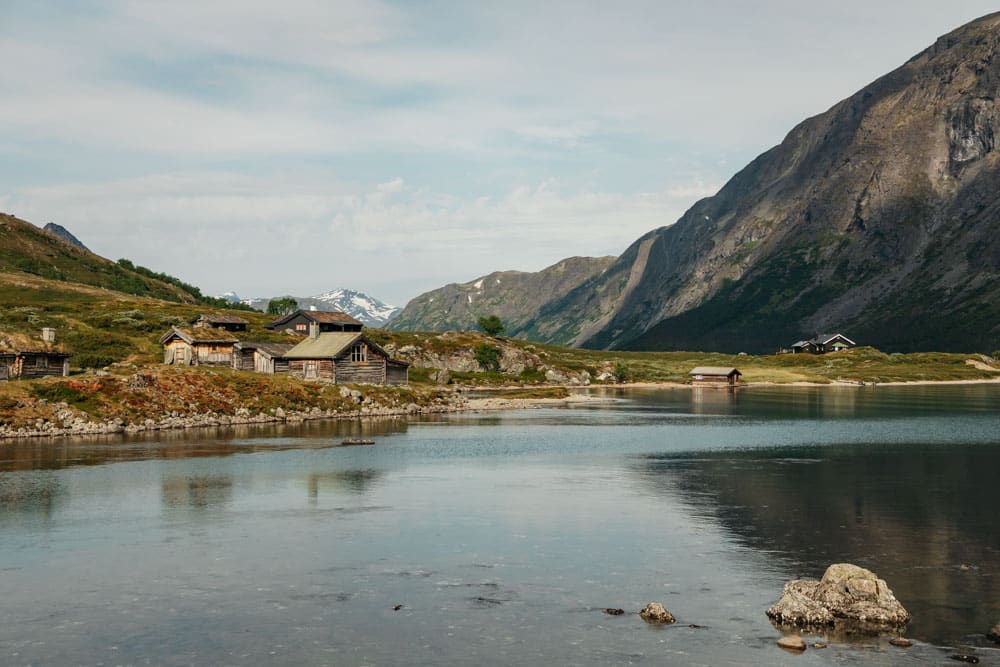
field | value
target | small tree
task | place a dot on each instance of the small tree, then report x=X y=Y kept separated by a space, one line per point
x=491 y=324
x=488 y=356
x=622 y=373
x=282 y=306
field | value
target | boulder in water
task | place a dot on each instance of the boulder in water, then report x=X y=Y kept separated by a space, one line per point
x=654 y=612
x=845 y=593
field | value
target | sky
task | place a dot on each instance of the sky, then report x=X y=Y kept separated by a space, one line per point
x=394 y=147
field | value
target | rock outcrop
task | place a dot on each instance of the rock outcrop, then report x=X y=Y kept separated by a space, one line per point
x=656 y=613
x=994 y=634
x=846 y=593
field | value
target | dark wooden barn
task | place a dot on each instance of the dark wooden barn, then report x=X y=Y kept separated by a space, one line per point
x=299 y=321
x=345 y=357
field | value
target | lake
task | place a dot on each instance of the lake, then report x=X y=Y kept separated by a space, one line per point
x=504 y=535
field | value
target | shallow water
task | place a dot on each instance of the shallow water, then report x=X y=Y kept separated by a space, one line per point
x=504 y=535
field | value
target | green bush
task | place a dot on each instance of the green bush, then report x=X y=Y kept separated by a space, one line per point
x=488 y=356
x=532 y=376
x=89 y=360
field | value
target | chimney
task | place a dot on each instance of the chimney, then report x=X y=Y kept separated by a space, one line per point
x=49 y=335
x=313 y=330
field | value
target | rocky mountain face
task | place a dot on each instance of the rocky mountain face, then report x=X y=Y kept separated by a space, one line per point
x=366 y=309
x=514 y=296
x=878 y=218
x=64 y=234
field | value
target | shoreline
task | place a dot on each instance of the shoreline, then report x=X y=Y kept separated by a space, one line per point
x=579 y=395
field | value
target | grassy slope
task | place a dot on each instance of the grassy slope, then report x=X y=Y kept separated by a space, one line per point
x=25 y=248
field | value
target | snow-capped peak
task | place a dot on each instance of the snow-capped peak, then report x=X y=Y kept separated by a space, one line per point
x=367 y=309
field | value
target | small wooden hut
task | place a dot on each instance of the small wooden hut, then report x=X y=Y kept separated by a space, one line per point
x=715 y=376
x=266 y=358
x=198 y=346
x=26 y=358
x=344 y=357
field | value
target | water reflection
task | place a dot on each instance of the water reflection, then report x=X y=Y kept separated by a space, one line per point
x=352 y=481
x=56 y=454
x=197 y=492
x=923 y=517
x=31 y=497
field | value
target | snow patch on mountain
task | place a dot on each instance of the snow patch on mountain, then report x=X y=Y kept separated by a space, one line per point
x=366 y=309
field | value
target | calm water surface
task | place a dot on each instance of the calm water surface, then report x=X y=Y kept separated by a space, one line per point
x=504 y=535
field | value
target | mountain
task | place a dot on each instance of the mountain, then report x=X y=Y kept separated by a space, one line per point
x=878 y=218
x=366 y=309
x=514 y=296
x=64 y=234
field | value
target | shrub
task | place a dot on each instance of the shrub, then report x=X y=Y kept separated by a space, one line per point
x=282 y=306
x=89 y=360
x=532 y=376
x=488 y=356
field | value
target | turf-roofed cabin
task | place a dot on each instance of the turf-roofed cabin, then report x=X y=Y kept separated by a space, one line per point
x=220 y=321
x=346 y=357
x=198 y=346
x=299 y=322
x=715 y=376
x=26 y=358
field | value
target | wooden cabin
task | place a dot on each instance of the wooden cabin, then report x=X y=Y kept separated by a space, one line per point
x=266 y=358
x=299 y=321
x=219 y=321
x=23 y=357
x=198 y=346
x=823 y=343
x=715 y=376
x=345 y=357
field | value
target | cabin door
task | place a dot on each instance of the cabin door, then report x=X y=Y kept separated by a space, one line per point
x=4 y=371
x=312 y=371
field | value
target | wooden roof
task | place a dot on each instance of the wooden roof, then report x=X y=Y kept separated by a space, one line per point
x=13 y=343
x=320 y=316
x=270 y=349
x=714 y=370
x=198 y=335
x=332 y=344
x=219 y=318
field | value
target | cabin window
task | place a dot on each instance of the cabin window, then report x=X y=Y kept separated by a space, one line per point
x=41 y=362
x=301 y=327
x=359 y=353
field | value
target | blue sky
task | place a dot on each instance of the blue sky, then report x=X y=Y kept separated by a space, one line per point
x=390 y=147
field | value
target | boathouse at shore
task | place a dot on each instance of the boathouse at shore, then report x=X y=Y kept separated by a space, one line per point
x=715 y=376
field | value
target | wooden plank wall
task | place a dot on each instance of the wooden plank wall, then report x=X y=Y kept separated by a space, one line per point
x=353 y=372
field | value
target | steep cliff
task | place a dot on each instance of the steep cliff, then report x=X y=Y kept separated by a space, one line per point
x=878 y=217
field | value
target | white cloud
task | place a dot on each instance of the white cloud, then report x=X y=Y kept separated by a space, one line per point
x=301 y=234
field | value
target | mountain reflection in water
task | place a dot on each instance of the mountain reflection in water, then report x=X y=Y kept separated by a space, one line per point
x=922 y=517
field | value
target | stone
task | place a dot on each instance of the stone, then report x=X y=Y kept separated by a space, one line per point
x=654 y=612
x=845 y=593
x=442 y=376
x=610 y=611
x=902 y=642
x=792 y=643
x=994 y=634
x=965 y=657
x=819 y=645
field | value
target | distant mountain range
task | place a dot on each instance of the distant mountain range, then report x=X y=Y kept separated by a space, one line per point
x=879 y=218
x=514 y=296
x=366 y=309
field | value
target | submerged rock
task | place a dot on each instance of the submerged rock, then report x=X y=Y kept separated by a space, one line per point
x=792 y=643
x=611 y=611
x=902 y=642
x=654 y=612
x=845 y=593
